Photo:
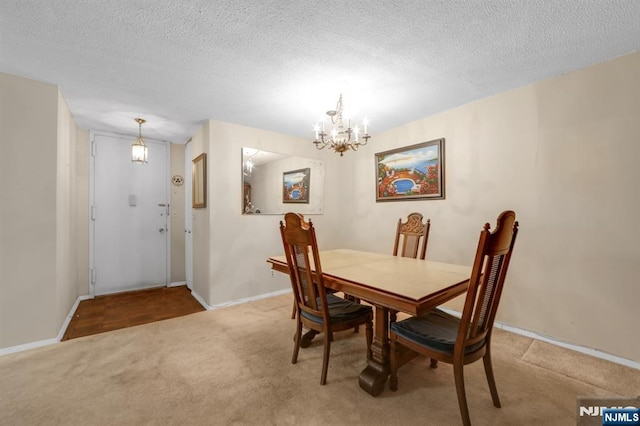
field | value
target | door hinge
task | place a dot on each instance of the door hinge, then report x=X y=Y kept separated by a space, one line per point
x=93 y=276
x=93 y=212
x=93 y=148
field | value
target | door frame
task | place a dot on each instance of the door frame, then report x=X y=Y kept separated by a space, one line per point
x=167 y=189
x=188 y=216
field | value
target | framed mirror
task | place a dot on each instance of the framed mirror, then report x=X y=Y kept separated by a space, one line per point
x=271 y=181
x=199 y=186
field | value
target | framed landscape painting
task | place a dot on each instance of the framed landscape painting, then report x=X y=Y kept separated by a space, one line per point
x=410 y=173
x=295 y=186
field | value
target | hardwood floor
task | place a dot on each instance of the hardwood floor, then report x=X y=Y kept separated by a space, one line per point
x=112 y=312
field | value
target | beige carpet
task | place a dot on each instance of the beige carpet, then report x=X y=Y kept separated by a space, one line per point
x=233 y=367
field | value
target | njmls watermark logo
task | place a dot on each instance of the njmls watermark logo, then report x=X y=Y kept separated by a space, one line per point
x=608 y=411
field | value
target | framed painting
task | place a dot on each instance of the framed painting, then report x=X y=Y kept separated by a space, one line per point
x=199 y=185
x=411 y=173
x=295 y=186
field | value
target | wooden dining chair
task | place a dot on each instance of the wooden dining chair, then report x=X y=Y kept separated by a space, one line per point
x=346 y=296
x=414 y=235
x=460 y=341
x=295 y=308
x=317 y=310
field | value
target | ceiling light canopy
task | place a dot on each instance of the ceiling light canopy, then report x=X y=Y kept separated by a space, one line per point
x=139 y=151
x=341 y=138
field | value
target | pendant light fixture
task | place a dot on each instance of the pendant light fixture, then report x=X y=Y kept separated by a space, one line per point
x=139 y=150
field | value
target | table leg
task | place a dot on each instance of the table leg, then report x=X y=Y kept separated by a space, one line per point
x=374 y=376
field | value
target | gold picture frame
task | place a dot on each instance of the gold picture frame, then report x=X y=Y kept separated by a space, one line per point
x=199 y=186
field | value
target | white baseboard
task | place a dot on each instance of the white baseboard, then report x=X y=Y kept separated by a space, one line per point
x=250 y=299
x=67 y=320
x=587 y=351
x=177 y=284
x=40 y=343
x=46 y=342
x=27 y=346
x=201 y=300
x=237 y=301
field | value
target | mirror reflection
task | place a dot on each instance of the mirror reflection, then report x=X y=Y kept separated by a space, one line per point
x=275 y=183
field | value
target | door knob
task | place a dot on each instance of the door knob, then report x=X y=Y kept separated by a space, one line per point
x=161 y=230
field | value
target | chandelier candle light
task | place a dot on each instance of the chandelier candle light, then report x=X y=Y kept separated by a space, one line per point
x=341 y=138
x=139 y=151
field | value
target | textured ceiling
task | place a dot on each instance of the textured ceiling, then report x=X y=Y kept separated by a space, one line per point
x=279 y=64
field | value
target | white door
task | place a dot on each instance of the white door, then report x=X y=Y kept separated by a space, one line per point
x=188 y=217
x=129 y=216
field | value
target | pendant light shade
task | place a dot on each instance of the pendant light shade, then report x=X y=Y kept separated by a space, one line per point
x=139 y=151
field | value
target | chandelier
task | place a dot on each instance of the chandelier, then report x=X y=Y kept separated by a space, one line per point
x=247 y=170
x=247 y=161
x=139 y=151
x=341 y=138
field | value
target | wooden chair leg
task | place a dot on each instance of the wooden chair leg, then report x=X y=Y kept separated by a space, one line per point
x=488 y=369
x=325 y=360
x=293 y=313
x=393 y=366
x=296 y=345
x=458 y=374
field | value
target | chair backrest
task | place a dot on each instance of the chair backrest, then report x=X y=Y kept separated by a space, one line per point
x=487 y=280
x=301 y=251
x=412 y=232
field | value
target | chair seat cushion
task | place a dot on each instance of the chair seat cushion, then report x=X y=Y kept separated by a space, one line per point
x=437 y=330
x=340 y=310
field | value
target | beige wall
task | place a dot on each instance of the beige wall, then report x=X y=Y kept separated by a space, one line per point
x=66 y=261
x=239 y=244
x=563 y=154
x=200 y=224
x=176 y=204
x=38 y=279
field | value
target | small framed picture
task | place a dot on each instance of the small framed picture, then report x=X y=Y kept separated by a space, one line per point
x=411 y=173
x=295 y=186
x=199 y=187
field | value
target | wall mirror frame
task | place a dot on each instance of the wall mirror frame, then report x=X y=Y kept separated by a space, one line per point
x=199 y=185
x=263 y=187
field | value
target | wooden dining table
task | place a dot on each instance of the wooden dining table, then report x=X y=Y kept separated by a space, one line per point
x=390 y=284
